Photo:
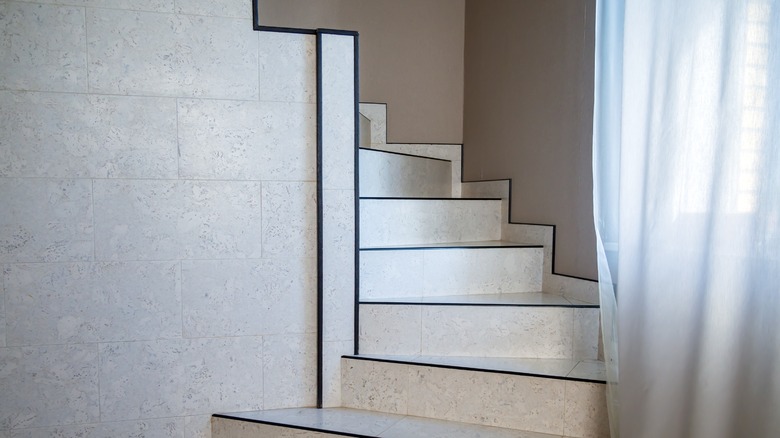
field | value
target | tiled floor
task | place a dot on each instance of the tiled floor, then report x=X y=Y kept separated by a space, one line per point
x=375 y=424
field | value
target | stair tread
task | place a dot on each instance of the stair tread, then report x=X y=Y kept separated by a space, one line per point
x=360 y=423
x=483 y=244
x=530 y=299
x=568 y=369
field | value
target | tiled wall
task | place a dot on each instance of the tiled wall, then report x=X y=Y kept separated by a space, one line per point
x=157 y=217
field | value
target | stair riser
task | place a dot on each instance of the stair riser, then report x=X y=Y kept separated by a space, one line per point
x=401 y=222
x=409 y=273
x=529 y=332
x=392 y=175
x=226 y=428
x=560 y=407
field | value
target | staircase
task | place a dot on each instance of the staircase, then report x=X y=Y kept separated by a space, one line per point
x=463 y=328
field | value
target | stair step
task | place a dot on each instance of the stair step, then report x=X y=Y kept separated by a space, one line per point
x=394 y=174
x=297 y=422
x=411 y=221
x=592 y=371
x=525 y=299
x=540 y=404
x=437 y=329
x=435 y=271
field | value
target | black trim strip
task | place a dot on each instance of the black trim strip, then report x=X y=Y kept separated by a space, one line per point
x=465 y=368
x=404 y=154
x=356 y=329
x=425 y=199
x=422 y=303
x=290 y=426
x=320 y=286
x=454 y=246
x=285 y=30
x=327 y=31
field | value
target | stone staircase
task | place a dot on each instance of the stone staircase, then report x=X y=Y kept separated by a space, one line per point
x=464 y=330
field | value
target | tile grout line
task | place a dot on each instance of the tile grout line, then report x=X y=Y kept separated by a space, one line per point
x=86 y=49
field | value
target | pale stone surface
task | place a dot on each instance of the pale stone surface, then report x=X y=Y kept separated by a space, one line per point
x=43 y=48
x=376 y=113
x=544 y=332
x=375 y=386
x=582 y=290
x=586 y=410
x=331 y=370
x=586 y=333
x=222 y=8
x=197 y=426
x=152 y=428
x=289 y=371
x=338 y=112
x=237 y=140
x=181 y=377
x=88 y=136
x=518 y=402
x=289 y=219
x=249 y=297
x=2 y=307
x=394 y=175
x=388 y=274
x=49 y=385
x=223 y=428
x=533 y=234
x=135 y=5
x=92 y=302
x=482 y=271
x=338 y=264
x=386 y=222
x=287 y=67
x=45 y=220
x=145 y=53
x=390 y=329
x=158 y=220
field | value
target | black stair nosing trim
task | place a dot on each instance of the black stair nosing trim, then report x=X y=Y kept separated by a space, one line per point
x=291 y=426
x=410 y=198
x=416 y=143
x=477 y=369
x=484 y=180
x=279 y=29
x=456 y=304
x=422 y=247
x=404 y=154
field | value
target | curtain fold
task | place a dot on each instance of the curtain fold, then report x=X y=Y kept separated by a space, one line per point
x=687 y=212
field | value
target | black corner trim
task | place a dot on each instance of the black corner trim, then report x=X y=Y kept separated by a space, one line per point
x=291 y=426
x=404 y=154
x=356 y=171
x=320 y=263
x=465 y=368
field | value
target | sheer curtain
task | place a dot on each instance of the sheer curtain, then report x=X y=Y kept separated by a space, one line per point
x=687 y=211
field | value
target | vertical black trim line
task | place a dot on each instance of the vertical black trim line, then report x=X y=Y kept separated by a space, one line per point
x=255 y=15
x=320 y=349
x=356 y=330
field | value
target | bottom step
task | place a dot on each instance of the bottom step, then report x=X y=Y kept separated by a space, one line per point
x=338 y=422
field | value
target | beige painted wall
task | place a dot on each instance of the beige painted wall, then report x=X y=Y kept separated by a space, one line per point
x=411 y=57
x=528 y=114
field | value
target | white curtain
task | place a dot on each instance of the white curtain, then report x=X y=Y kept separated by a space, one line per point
x=687 y=210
